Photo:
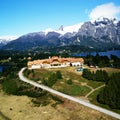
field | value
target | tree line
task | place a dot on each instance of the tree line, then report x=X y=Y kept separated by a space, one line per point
x=99 y=75
x=110 y=95
x=12 y=85
x=103 y=61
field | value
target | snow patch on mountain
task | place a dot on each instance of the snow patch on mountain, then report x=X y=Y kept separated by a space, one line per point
x=6 y=39
x=63 y=30
x=73 y=28
x=48 y=30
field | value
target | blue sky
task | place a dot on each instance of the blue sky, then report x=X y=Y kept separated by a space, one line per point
x=18 y=17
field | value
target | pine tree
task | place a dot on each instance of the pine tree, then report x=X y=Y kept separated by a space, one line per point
x=111 y=93
x=86 y=74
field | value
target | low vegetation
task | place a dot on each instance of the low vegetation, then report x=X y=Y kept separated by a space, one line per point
x=72 y=83
x=75 y=90
x=65 y=80
x=11 y=85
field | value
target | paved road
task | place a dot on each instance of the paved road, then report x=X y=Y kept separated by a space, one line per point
x=113 y=114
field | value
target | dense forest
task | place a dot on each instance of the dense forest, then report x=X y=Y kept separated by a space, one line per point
x=110 y=95
x=102 y=61
x=99 y=75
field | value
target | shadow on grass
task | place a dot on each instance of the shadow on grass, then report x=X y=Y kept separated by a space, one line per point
x=3 y=116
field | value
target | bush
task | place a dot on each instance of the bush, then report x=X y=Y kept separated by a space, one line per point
x=35 y=102
x=44 y=82
x=59 y=75
x=27 y=72
x=10 y=86
x=52 y=79
x=69 y=82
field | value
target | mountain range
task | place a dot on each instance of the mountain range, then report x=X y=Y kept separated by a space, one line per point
x=6 y=39
x=102 y=33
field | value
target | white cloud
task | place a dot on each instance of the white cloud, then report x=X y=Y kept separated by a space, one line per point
x=108 y=10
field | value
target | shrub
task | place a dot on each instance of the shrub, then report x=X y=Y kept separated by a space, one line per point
x=59 y=75
x=69 y=82
x=10 y=86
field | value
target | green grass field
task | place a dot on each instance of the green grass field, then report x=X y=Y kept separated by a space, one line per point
x=75 y=90
x=80 y=86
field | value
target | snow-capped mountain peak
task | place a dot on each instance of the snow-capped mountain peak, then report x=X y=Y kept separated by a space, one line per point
x=100 y=33
x=48 y=30
x=73 y=28
x=5 y=39
x=8 y=38
x=102 y=19
x=63 y=30
x=115 y=21
x=105 y=20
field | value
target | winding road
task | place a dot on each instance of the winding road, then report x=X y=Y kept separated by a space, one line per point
x=113 y=114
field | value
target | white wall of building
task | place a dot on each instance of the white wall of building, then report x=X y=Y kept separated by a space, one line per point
x=76 y=64
x=49 y=66
x=36 y=66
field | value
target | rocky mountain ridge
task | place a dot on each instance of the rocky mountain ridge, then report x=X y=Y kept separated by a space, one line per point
x=102 y=33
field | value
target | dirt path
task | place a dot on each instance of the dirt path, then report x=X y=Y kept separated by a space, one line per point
x=92 y=90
